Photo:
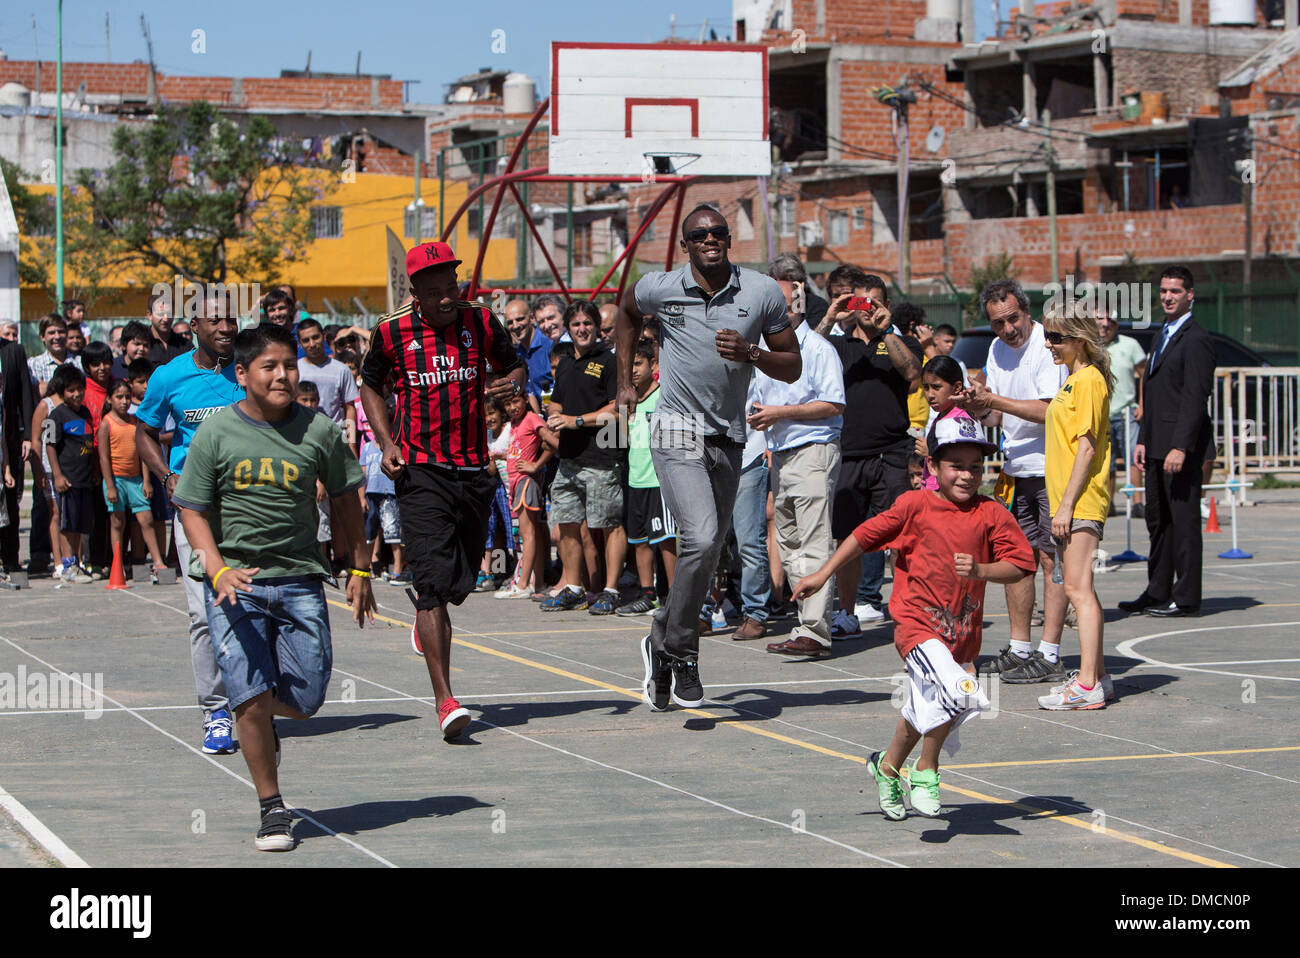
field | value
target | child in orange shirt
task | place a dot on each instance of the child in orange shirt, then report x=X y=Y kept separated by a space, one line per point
x=127 y=486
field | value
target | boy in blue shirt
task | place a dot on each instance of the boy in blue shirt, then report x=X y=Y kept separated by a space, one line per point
x=186 y=391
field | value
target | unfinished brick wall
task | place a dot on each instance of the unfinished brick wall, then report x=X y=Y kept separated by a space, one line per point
x=1191 y=87
x=132 y=79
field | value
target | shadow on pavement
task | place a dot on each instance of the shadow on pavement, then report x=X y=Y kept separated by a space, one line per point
x=328 y=724
x=370 y=816
x=987 y=818
x=770 y=704
x=507 y=714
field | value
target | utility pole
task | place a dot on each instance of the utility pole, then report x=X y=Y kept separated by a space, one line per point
x=108 y=42
x=58 y=170
x=898 y=100
x=904 y=220
x=153 y=69
x=1247 y=200
x=1051 y=196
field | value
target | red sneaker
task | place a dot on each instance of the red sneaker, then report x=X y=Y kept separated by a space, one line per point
x=415 y=641
x=452 y=719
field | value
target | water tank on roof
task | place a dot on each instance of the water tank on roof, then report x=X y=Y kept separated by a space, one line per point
x=943 y=9
x=519 y=94
x=15 y=94
x=1232 y=13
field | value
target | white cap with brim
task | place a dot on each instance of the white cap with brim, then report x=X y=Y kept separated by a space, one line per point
x=958 y=429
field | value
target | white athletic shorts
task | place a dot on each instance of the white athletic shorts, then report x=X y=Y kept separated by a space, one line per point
x=940 y=691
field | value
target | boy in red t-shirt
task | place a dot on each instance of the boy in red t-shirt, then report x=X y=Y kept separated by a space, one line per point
x=946 y=545
x=525 y=460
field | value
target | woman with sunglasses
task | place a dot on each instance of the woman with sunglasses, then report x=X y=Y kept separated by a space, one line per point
x=1078 y=488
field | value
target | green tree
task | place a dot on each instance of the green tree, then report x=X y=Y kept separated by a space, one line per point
x=1001 y=266
x=194 y=195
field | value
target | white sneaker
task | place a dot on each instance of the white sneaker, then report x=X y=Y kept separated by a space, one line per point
x=866 y=612
x=719 y=619
x=845 y=626
x=511 y=591
x=1205 y=510
x=1072 y=696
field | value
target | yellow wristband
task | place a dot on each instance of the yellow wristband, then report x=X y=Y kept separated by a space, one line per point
x=359 y=573
x=223 y=569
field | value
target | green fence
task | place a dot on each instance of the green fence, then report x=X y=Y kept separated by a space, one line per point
x=1268 y=321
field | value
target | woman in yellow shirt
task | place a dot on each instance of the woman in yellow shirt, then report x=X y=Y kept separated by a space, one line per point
x=1078 y=489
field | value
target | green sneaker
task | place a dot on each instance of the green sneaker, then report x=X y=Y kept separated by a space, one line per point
x=891 y=790
x=923 y=792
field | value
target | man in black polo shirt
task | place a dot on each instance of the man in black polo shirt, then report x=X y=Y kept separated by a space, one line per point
x=880 y=369
x=588 y=486
x=167 y=343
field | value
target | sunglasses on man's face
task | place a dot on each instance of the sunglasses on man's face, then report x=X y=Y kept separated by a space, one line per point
x=701 y=234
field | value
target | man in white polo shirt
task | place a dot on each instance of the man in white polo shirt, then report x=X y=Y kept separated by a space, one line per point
x=1021 y=379
x=802 y=420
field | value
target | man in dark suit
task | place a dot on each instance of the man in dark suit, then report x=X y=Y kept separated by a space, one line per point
x=1173 y=441
x=16 y=402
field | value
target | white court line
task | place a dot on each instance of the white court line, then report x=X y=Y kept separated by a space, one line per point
x=431 y=704
x=1240 y=662
x=470 y=697
x=653 y=781
x=1077 y=807
x=235 y=775
x=1125 y=648
x=34 y=827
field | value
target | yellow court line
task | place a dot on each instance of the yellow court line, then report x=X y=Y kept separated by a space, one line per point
x=747 y=726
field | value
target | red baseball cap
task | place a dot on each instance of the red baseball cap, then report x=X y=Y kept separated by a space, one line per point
x=429 y=254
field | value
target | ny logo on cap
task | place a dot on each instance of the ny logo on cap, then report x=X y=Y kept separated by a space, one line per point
x=431 y=252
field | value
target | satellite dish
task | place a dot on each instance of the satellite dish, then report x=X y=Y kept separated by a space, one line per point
x=934 y=139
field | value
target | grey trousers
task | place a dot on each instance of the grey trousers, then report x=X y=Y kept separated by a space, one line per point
x=208 y=682
x=698 y=479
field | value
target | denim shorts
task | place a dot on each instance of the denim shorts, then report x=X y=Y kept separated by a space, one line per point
x=382 y=516
x=277 y=638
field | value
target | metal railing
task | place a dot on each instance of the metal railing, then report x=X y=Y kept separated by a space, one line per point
x=1265 y=403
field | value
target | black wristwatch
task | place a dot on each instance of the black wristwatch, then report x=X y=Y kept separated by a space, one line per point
x=577 y=421
x=753 y=352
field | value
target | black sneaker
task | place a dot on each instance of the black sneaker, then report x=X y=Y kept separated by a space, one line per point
x=606 y=604
x=1007 y=661
x=656 y=688
x=642 y=604
x=687 y=690
x=1034 y=669
x=276 y=833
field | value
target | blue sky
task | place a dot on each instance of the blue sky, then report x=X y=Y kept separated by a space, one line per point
x=432 y=42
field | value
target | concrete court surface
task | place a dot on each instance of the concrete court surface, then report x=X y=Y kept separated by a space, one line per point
x=1195 y=766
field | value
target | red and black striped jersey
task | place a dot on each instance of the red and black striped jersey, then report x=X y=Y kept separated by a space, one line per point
x=437 y=374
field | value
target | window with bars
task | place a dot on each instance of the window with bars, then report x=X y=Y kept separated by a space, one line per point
x=327 y=222
x=428 y=223
x=837 y=228
x=786 y=214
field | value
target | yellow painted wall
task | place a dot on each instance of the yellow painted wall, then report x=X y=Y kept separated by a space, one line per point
x=337 y=269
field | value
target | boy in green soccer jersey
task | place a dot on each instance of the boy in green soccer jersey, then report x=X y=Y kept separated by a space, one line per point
x=247 y=499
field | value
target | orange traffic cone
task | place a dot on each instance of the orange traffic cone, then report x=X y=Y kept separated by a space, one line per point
x=1212 y=523
x=117 y=577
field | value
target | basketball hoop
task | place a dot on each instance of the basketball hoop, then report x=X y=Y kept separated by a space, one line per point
x=667 y=164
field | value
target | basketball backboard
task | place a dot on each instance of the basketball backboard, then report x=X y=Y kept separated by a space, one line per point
x=633 y=109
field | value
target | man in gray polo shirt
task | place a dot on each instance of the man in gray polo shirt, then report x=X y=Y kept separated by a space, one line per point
x=711 y=316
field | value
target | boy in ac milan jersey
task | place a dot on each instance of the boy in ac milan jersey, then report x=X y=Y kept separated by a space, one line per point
x=441 y=358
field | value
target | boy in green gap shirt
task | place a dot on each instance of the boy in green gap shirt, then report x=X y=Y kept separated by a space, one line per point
x=247 y=500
